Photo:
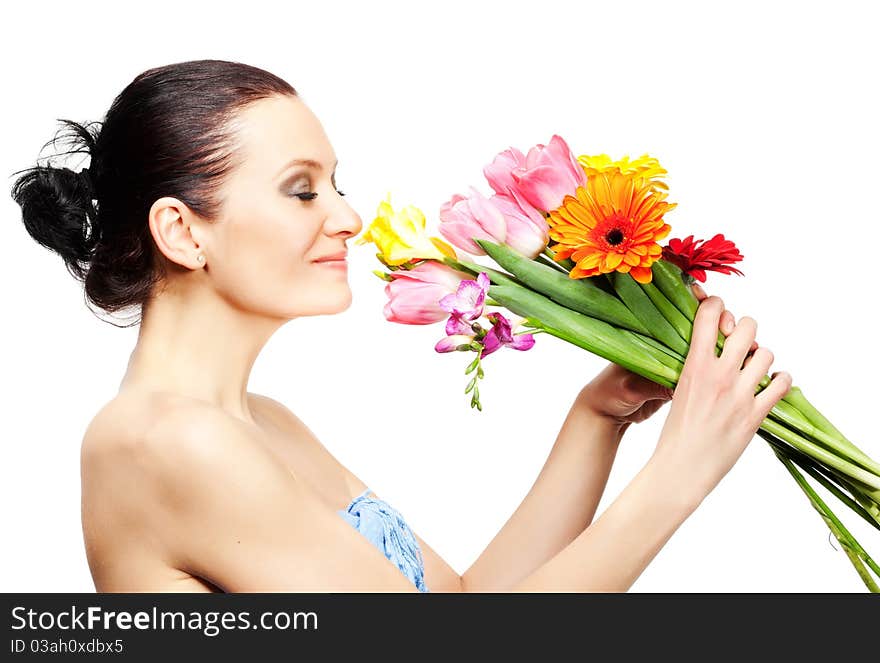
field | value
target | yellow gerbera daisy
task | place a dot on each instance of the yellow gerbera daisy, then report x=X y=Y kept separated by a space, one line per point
x=644 y=166
x=611 y=224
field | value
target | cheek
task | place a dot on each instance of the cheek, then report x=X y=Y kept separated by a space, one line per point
x=264 y=259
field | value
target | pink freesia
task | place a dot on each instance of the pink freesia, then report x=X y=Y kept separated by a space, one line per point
x=464 y=306
x=414 y=295
x=467 y=301
x=458 y=325
x=544 y=176
x=501 y=335
x=451 y=343
x=504 y=218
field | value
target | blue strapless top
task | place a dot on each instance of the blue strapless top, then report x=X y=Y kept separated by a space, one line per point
x=386 y=529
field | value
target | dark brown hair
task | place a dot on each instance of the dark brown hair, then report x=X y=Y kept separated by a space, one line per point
x=168 y=133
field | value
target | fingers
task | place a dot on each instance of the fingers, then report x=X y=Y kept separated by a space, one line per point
x=756 y=367
x=728 y=322
x=738 y=343
x=705 y=332
x=779 y=386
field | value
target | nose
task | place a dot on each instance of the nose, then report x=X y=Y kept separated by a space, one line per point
x=343 y=218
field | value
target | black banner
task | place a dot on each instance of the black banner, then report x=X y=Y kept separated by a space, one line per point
x=412 y=626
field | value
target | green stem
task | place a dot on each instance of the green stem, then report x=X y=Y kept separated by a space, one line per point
x=674 y=317
x=679 y=306
x=636 y=367
x=566 y=263
x=831 y=481
x=580 y=295
x=657 y=344
x=550 y=262
x=646 y=312
x=821 y=454
x=851 y=547
x=669 y=280
x=785 y=413
x=592 y=334
x=494 y=275
x=654 y=349
x=797 y=399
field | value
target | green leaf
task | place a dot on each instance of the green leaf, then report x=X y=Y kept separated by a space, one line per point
x=581 y=295
x=596 y=336
x=644 y=309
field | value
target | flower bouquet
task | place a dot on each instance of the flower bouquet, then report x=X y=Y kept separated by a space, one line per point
x=606 y=285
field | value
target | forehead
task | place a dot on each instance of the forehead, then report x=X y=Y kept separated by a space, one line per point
x=275 y=130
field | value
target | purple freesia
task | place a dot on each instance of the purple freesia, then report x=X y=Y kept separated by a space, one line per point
x=467 y=301
x=450 y=343
x=502 y=335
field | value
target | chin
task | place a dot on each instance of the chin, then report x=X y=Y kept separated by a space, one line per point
x=332 y=306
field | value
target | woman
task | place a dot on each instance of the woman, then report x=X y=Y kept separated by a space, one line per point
x=210 y=207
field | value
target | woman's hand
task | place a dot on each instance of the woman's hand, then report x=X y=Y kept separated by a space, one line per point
x=727 y=322
x=715 y=411
x=622 y=396
x=625 y=397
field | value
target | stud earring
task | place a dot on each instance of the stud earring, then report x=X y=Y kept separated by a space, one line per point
x=201 y=257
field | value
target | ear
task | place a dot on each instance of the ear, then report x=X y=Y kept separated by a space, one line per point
x=176 y=230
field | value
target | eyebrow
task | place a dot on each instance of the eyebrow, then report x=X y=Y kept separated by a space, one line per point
x=305 y=162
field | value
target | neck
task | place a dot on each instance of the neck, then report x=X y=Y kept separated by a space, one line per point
x=194 y=343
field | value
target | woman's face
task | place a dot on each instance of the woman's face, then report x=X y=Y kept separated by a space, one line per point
x=262 y=252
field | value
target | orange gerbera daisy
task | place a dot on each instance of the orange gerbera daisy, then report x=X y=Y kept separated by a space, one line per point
x=611 y=224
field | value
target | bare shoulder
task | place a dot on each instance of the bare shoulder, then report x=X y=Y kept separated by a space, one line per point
x=162 y=436
x=146 y=459
x=150 y=423
x=278 y=413
x=296 y=429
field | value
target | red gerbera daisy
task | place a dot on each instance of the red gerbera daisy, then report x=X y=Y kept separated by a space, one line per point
x=694 y=260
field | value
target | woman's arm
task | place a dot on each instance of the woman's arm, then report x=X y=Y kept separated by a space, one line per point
x=242 y=521
x=612 y=552
x=235 y=517
x=560 y=505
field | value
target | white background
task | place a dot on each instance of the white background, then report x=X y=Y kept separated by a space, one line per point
x=765 y=115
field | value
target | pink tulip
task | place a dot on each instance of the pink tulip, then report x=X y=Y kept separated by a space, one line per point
x=504 y=218
x=543 y=177
x=499 y=173
x=414 y=295
x=527 y=229
x=464 y=219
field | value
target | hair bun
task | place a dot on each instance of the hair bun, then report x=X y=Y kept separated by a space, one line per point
x=58 y=212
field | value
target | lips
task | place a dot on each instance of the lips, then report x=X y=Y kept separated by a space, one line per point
x=340 y=256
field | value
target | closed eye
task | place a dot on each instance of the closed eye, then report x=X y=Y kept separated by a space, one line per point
x=311 y=195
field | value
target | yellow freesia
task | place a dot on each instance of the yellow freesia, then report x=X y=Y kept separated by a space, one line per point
x=401 y=236
x=645 y=166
